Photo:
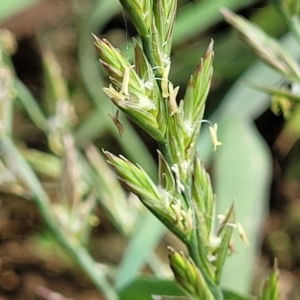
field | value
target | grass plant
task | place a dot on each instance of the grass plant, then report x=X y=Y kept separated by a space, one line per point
x=142 y=88
x=183 y=200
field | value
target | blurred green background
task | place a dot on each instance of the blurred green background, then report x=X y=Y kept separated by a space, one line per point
x=251 y=168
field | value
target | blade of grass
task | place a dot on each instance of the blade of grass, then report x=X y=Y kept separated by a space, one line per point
x=140 y=247
x=144 y=287
x=231 y=59
x=30 y=105
x=242 y=173
x=194 y=18
x=230 y=295
x=12 y=7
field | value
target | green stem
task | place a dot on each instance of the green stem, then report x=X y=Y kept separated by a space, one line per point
x=78 y=253
x=148 y=49
x=193 y=252
x=193 y=244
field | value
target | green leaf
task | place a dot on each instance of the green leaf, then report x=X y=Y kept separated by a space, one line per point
x=196 y=17
x=55 y=85
x=12 y=7
x=275 y=91
x=13 y=158
x=231 y=295
x=242 y=174
x=30 y=105
x=266 y=47
x=290 y=13
x=164 y=297
x=148 y=234
x=144 y=287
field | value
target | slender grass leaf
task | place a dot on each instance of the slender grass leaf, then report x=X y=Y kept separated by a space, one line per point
x=30 y=105
x=194 y=18
x=275 y=91
x=242 y=173
x=145 y=287
x=12 y=7
x=230 y=295
x=146 y=237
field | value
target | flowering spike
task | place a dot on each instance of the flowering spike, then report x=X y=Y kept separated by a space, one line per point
x=184 y=199
x=129 y=92
x=136 y=11
x=163 y=204
x=203 y=198
x=271 y=288
x=188 y=276
x=198 y=87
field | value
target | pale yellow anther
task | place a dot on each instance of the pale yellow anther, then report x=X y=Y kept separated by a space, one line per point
x=242 y=234
x=165 y=80
x=114 y=94
x=188 y=219
x=124 y=89
x=172 y=99
x=213 y=135
x=177 y=210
